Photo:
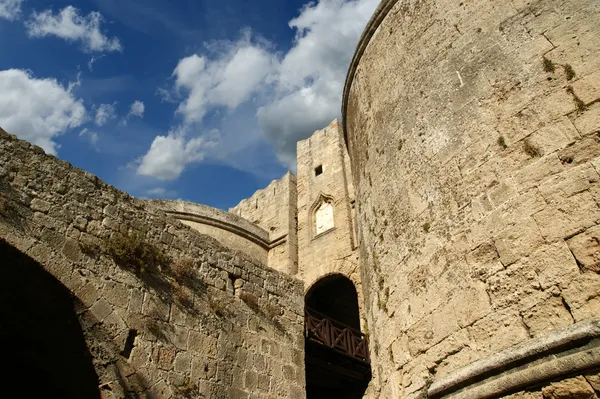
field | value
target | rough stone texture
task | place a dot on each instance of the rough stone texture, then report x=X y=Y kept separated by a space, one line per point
x=576 y=388
x=202 y=333
x=229 y=229
x=475 y=161
x=332 y=251
x=581 y=387
x=288 y=208
x=274 y=210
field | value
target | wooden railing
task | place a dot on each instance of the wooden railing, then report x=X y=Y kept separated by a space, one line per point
x=338 y=336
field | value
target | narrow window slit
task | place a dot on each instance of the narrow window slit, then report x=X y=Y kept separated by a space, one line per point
x=129 y=344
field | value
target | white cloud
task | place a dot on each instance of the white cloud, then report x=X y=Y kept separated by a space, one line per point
x=93 y=60
x=137 y=109
x=310 y=78
x=289 y=96
x=71 y=26
x=105 y=113
x=10 y=9
x=226 y=80
x=91 y=136
x=37 y=110
x=169 y=155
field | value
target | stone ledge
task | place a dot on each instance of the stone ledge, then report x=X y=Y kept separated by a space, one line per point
x=218 y=218
x=501 y=374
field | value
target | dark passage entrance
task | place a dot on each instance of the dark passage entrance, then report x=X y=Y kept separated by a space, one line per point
x=44 y=353
x=337 y=354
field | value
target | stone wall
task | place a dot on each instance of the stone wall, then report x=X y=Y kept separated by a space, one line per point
x=195 y=319
x=474 y=135
x=274 y=210
x=334 y=250
x=229 y=229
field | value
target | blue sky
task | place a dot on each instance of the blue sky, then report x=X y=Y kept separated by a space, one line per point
x=201 y=100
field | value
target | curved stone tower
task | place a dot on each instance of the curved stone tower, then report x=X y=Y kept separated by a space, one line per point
x=474 y=135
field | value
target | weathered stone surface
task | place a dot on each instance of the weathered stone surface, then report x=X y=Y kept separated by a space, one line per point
x=572 y=388
x=115 y=304
x=475 y=93
x=586 y=249
x=583 y=296
x=547 y=316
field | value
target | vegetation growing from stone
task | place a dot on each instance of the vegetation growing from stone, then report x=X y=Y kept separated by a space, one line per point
x=219 y=307
x=182 y=269
x=569 y=72
x=131 y=252
x=578 y=101
x=187 y=390
x=250 y=300
x=548 y=65
x=426 y=227
x=531 y=150
x=502 y=143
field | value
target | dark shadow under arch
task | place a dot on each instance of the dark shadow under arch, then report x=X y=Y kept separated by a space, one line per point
x=330 y=373
x=44 y=350
x=335 y=297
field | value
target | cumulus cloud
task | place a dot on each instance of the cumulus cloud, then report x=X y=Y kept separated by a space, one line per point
x=137 y=109
x=10 y=9
x=71 y=26
x=169 y=155
x=226 y=80
x=310 y=78
x=292 y=94
x=105 y=113
x=36 y=109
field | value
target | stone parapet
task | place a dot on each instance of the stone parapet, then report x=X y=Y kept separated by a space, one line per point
x=231 y=230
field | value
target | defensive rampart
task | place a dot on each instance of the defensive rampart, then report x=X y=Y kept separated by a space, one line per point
x=163 y=310
x=474 y=134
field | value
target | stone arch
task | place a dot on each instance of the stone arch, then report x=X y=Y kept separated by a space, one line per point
x=335 y=296
x=322 y=215
x=332 y=316
x=45 y=346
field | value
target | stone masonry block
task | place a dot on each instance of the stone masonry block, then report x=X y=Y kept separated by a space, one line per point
x=547 y=316
x=518 y=240
x=586 y=249
x=101 y=309
x=576 y=387
x=583 y=296
x=564 y=218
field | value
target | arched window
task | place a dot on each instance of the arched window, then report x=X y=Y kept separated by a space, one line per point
x=324 y=218
x=322 y=213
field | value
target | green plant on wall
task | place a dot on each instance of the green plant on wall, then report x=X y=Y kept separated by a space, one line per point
x=131 y=252
x=530 y=149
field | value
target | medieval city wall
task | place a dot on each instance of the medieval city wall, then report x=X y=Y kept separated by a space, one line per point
x=334 y=251
x=274 y=210
x=473 y=132
x=205 y=320
x=230 y=230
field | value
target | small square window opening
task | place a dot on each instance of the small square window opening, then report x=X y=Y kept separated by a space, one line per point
x=318 y=170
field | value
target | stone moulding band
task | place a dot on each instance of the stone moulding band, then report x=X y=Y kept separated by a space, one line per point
x=558 y=359
x=381 y=12
x=265 y=244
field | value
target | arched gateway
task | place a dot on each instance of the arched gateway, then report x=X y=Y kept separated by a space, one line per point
x=337 y=353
